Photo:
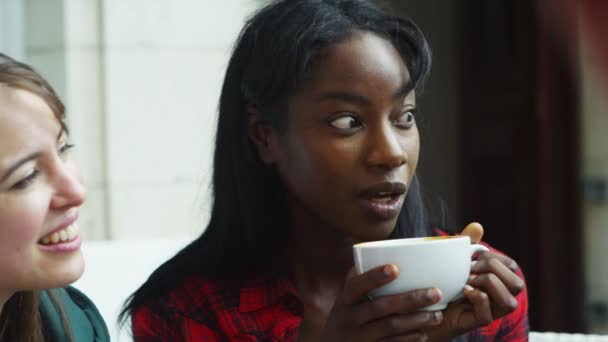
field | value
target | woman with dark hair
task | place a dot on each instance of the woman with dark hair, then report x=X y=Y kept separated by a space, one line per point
x=316 y=149
x=40 y=195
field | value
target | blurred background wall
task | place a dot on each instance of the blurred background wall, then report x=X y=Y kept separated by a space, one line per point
x=141 y=80
x=594 y=172
x=513 y=125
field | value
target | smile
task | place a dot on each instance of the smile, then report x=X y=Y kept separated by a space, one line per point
x=64 y=235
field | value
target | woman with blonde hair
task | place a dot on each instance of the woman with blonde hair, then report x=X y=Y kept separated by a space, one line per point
x=41 y=192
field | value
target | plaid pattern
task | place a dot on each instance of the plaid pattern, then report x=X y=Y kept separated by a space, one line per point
x=513 y=327
x=261 y=309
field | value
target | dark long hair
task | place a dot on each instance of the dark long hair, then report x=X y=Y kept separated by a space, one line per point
x=276 y=50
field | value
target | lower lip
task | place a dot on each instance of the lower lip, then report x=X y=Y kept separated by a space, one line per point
x=64 y=247
x=382 y=211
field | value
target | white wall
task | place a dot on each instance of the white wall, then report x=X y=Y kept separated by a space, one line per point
x=141 y=81
x=12 y=28
x=594 y=125
x=164 y=63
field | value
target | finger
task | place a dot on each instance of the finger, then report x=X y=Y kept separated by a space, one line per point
x=510 y=263
x=404 y=303
x=358 y=286
x=497 y=267
x=503 y=302
x=474 y=230
x=482 y=310
x=414 y=337
x=399 y=325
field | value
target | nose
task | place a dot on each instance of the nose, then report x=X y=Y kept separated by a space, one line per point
x=69 y=189
x=385 y=150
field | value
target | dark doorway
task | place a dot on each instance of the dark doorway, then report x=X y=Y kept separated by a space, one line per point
x=502 y=115
x=520 y=155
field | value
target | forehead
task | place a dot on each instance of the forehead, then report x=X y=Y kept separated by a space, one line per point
x=364 y=60
x=26 y=121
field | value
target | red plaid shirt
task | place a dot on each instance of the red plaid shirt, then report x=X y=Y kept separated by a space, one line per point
x=261 y=309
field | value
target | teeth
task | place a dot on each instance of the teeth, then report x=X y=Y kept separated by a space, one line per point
x=384 y=195
x=55 y=238
x=64 y=235
x=71 y=232
x=382 y=199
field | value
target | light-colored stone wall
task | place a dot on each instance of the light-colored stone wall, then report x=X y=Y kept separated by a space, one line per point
x=164 y=64
x=12 y=35
x=141 y=81
x=594 y=126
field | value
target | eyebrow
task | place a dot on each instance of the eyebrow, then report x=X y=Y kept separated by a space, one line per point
x=405 y=89
x=18 y=164
x=26 y=159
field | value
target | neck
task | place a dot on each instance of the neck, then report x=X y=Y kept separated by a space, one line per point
x=319 y=256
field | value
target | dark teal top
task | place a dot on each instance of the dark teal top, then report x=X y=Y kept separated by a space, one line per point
x=84 y=320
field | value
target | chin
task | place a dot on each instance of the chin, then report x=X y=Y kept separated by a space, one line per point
x=64 y=272
x=375 y=232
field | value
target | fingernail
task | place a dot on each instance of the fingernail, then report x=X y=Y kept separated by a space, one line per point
x=473 y=263
x=389 y=271
x=437 y=317
x=433 y=294
x=468 y=288
x=472 y=276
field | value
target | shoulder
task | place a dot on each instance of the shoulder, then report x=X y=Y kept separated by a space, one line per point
x=212 y=309
x=195 y=302
x=82 y=317
x=194 y=294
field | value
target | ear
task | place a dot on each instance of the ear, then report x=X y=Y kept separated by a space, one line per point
x=263 y=136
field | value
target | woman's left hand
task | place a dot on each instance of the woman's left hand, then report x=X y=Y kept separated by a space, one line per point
x=489 y=294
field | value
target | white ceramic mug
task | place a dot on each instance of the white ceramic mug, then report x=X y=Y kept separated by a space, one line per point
x=443 y=262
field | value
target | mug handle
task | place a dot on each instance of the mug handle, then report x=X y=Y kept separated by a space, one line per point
x=473 y=249
x=478 y=248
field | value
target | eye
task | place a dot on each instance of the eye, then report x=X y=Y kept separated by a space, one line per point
x=406 y=119
x=27 y=181
x=65 y=147
x=346 y=122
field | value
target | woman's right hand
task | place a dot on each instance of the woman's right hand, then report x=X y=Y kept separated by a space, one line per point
x=355 y=317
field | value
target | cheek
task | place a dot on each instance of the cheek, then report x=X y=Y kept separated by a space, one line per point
x=21 y=224
x=21 y=221
x=412 y=147
x=314 y=164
